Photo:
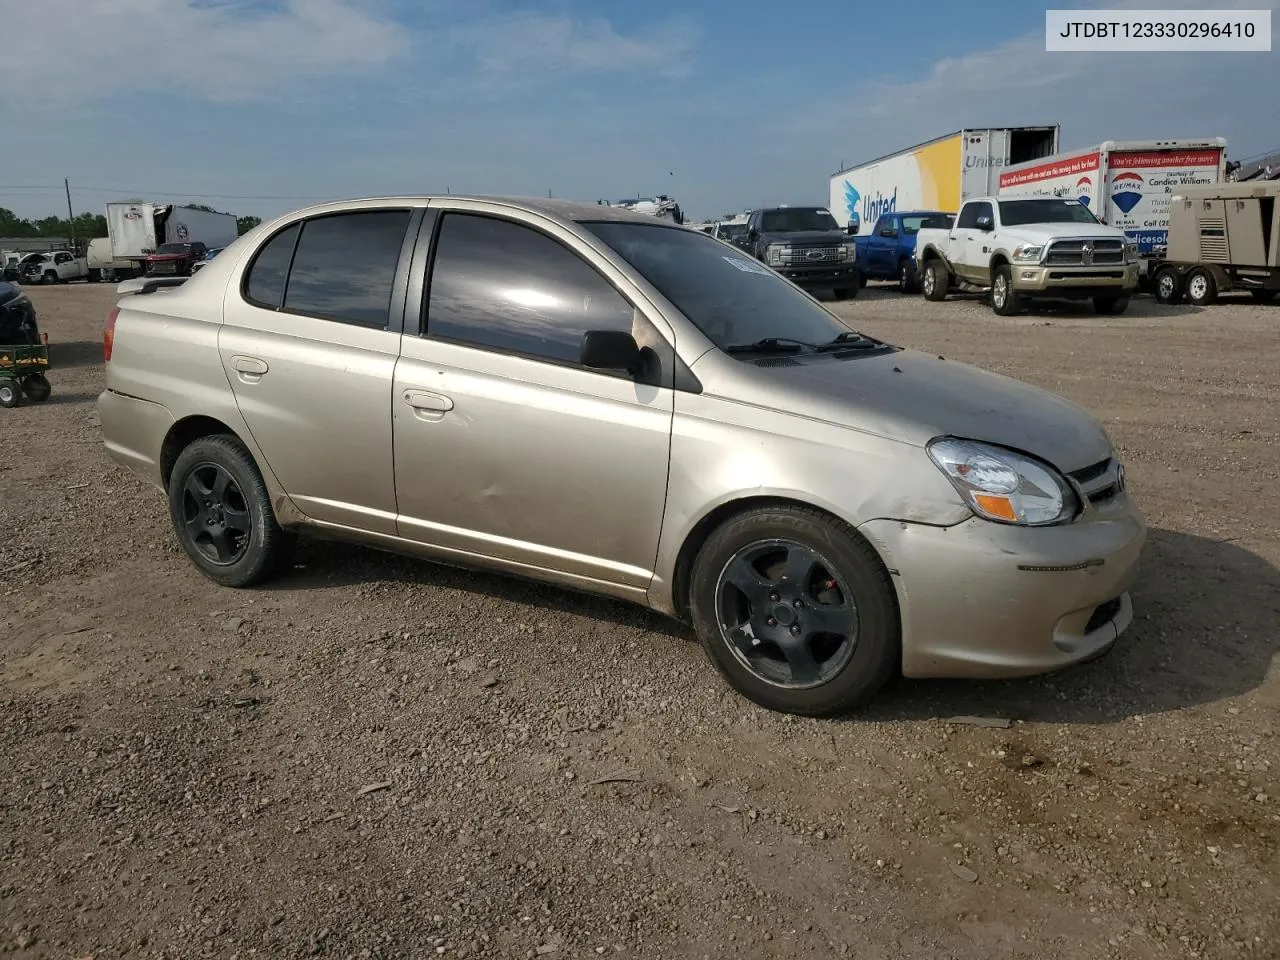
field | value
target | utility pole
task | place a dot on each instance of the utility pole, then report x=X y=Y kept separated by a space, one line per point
x=71 y=217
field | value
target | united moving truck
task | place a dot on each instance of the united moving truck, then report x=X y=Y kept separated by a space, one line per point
x=937 y=174
x=1126 y=183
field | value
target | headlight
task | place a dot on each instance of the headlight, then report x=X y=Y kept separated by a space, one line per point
x=777 y=253
x=1131 y=252
x=1028 y=253
x=848 y=252
x=1004 y=486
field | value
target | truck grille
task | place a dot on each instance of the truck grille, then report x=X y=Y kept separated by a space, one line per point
x=801 y=256
x=1072 y=253
x=164 y=266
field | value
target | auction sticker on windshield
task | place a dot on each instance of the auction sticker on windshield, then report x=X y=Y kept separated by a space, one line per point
x=746 y=266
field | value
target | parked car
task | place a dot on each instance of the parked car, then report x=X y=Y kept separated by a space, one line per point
x=175 y=259
x=59 y=266
x=807 y=246
x=209 y=255
x=598 y=399
x=1020 y=250
x=889 y=251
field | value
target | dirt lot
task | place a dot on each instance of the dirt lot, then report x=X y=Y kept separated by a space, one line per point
x=383 y=758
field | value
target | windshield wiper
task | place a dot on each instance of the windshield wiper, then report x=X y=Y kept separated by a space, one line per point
x=770 y=345
x=849 y=340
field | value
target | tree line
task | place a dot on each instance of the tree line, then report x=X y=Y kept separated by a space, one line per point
x=86 y=225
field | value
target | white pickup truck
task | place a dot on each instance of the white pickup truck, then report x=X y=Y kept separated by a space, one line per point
x=57 y=267
x=1043 y=248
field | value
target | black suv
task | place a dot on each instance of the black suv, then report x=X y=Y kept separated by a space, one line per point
x=807 y=246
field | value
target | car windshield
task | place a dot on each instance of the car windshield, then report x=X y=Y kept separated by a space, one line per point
x=796 y=219
x=1015 y=213
x=730 y=297
x=173 y=248
x=914 y=223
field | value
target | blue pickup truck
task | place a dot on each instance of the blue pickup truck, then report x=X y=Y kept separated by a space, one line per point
x=887 y=252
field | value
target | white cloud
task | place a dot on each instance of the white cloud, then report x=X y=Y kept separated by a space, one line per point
x=221 y=50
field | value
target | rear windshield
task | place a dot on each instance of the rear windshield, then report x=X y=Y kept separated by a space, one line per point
x=1014 y=213
x=914 y=224
x=796 y=219
x=173 y=248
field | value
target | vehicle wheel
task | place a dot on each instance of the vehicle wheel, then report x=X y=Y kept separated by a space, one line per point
x=907 y=279
x=37 y=388
x=94 y=276
x=840 y=293
x=1110 y=306
x=10 y=393
x=936 y=280
x=795 y=610
x=50 y=276
x=1003 y=299
x=862 y=280
x=1167 y=287
x=1264 y=296
x=1202 y=289
x=222 y=514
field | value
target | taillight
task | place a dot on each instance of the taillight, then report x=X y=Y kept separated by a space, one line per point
x=109 y=334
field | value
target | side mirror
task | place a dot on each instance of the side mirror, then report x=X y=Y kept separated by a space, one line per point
x=852 y=228
x=610 y=350
x=984 y=223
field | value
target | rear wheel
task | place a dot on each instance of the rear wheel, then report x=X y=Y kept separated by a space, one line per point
x=936 y=280
x=795 y=610
x=10 y=393
x=1264 y=296
x=37 y=388
x=1202 y=289
x=221 y=513
x=94 y=276
x=1167 y=286
x=1003 y=299
x=1110 y=306
x=908 y=282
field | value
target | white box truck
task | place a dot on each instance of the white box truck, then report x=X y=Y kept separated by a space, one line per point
x=1125 y=183
x=937 y=175
x=137 y=229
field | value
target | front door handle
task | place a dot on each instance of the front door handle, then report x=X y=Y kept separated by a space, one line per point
x=250 y=369
x=427 y=405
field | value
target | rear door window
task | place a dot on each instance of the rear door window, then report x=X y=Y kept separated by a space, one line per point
x=264 y=285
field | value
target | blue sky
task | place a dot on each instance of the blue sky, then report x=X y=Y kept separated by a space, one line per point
x=260 y=107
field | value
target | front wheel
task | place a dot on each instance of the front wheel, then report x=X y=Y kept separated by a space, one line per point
x=37 y=388
x=1168 y=286
x=50 y=276
x=1110 y=306
x=936 y=280
x=795 y=610
x=221 y=513
x=1202 y=289
x=1004 y=302
x=907 y=280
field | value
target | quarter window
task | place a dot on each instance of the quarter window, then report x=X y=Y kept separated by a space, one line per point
x=265 y=284
x=345 y=266
x=506 y=287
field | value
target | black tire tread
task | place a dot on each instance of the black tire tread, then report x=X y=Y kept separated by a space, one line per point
x=275 y=544
x=942 y=280
x=818 y=702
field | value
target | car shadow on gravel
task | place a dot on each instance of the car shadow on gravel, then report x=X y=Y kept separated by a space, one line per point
x=326 y=564
x=75 y=353
x=1204 y=630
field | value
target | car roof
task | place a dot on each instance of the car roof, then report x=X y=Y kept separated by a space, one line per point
x=563 y=209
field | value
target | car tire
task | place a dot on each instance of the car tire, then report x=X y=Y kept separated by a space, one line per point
x=1264 y=296
x=908 y=281
x=783 y=661
x=936 y=280
x=10 y=393
x=1202 y=289
x=862 y=280
x=222 y=516
x=1110 y=306
x=37 y=388
x=1004 y=300
x=1167 y=286
x=50 y=276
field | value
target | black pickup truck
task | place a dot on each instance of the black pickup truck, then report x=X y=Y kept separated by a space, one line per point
x=807 y=246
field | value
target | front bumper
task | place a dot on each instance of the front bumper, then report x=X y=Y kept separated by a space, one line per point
x=1118 y=280
x=986 y=600
x=822 y=278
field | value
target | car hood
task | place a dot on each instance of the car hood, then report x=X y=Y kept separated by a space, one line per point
x=1042 y=232
x=808 y=236
x=912 y=396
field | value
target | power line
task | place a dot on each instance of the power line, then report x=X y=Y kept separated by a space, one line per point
x=53 y=188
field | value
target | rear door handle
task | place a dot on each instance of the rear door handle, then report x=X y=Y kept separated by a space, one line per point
x=250 y=369
x=427 y=405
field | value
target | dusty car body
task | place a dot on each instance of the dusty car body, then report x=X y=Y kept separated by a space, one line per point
x=586 y=396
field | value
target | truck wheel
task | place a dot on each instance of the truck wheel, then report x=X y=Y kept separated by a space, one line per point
x=936 y=280
x=1202 y=289
x=1004 y=301
x=908 y=282
x=50 y=276
x=1110 y=306
x=1264 y=296
x=1168 y=286
x=10 y=393
x=862 y=280
x=95 y=276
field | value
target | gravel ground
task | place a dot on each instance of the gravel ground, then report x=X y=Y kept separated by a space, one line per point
x=378 y=757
